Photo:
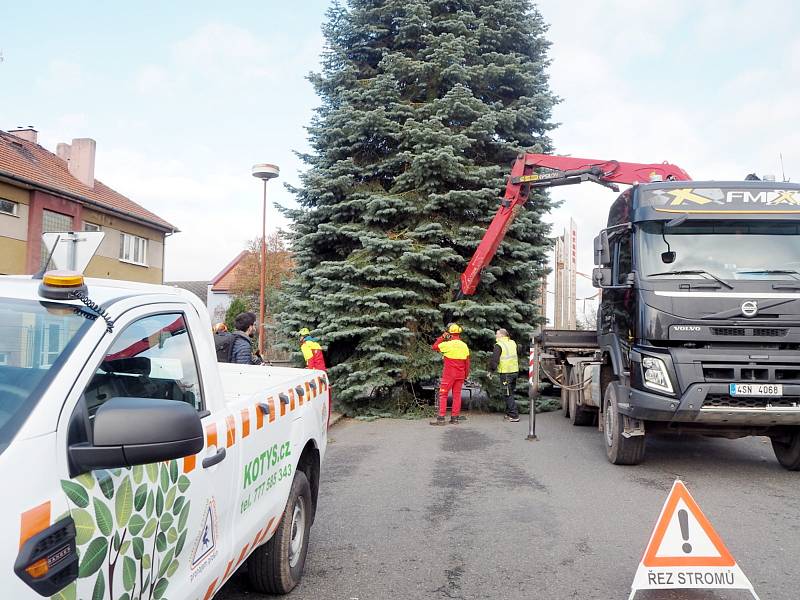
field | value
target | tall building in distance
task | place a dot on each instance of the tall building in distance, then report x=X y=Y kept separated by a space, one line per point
x=566 y=261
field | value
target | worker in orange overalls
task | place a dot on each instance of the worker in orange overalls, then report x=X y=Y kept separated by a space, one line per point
x=456 y=370
x=311 y=350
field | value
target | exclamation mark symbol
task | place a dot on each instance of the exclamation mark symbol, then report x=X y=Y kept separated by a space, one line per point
x=683 y=519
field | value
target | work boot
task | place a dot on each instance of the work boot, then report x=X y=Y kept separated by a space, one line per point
x=453 y=420
x=438 y=421
x=461 y=418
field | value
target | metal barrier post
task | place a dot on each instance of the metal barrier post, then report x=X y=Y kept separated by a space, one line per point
x=533 y=387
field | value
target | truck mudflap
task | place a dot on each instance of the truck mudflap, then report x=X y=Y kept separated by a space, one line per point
x=712 y=404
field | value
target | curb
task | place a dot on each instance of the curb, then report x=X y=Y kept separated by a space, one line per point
x=335 y=418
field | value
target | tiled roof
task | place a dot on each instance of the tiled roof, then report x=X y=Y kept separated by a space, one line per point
x=25 y=160
x=198 y=288
x=225 y=279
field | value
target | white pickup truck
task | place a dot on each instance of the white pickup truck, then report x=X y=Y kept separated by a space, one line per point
x=134 y=466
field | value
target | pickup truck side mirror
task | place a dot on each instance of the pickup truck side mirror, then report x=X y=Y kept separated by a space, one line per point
x=602 y=251
x=138 y=431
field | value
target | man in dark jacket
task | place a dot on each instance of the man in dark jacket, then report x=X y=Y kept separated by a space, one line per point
x=242 y=349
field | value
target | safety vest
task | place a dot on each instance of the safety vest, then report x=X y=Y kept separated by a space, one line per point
x=508 y=356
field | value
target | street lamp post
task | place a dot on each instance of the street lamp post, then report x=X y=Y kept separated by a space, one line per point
x=264 y=172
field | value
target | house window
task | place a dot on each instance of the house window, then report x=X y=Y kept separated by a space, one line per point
x=3 y=358
x=90 y=226
x=133 y=249
x=53 y=222
x=7 y=207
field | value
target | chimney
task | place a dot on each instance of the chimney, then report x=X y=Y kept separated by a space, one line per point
x=29 y=134
x=62 y=151
x=80 y=160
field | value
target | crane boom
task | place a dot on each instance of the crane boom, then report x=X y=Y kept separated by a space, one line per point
x=561 y=170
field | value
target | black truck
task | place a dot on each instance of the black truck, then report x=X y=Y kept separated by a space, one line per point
x=698 y=327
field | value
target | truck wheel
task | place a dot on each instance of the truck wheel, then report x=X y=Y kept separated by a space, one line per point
x=564 y=392
x=787 y=451
x=619 y=449
x=277 y=566
x=579 y=415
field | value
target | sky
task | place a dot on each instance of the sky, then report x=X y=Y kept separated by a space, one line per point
x=183 y=98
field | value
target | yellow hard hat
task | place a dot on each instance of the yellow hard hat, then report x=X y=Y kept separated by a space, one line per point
x=304 y=331
x=454 y=328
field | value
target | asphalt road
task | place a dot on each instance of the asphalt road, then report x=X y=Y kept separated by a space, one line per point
x=475 y=511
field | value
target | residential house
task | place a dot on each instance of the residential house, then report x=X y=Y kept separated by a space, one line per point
x=43 y=192
x=220 y=290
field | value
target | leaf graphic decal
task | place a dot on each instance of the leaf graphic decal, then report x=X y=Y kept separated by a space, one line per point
x=172 y=568
x=146 y=565
x=99 y=591
x=124 y=548
x=86 y=480
x=183 y=483
x=68 y=593
x=125 y=596
x=165 y=564
x=116 y=540
x=184 y=516
x=160 y=589
x=106 y=484
x=136 y=524
x=179 y=545
x=140 y=497
x=76 y=493
x=173 y=471
x=138 y=548
x=138 y=474
x=102 y=515
x=150 y=528
x=161 y=542
x=164 y=478
x=172 y=535
x=150 y=504
x=84 y=526
x=170 y=500
x=152 y=472
x=176 y=508
x=123 y=504
x=166 y=521
x=159 y=503
x=93 y=557
x=128 y=573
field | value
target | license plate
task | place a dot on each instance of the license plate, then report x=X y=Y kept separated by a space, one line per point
x=756 y=389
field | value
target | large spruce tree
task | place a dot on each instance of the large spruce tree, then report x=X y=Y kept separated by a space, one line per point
x=425 y=103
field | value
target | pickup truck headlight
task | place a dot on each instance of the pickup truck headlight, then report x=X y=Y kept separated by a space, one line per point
x=654 y=374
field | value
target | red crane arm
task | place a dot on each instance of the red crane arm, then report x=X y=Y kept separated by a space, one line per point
x=562 y=170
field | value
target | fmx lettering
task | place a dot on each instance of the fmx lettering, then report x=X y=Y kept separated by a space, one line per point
x=766 y=197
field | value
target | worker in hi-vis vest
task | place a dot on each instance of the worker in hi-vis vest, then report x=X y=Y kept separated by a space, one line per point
x=312 y=351
x=504 y=361
x=455 y=371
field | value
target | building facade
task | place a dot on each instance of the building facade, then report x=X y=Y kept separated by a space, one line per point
x=44 y=192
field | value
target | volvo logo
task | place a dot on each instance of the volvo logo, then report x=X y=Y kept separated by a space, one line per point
x=686 y=328
x=750 y=308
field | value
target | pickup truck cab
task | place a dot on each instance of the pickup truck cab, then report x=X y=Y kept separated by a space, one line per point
x=137 y=467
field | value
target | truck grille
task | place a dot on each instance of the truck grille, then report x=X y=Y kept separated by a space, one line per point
x=739 y=373
x=748 y=331
x=723 y=401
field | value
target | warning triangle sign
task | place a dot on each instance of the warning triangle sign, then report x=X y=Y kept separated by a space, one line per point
x=683 y=536
x=685 y=551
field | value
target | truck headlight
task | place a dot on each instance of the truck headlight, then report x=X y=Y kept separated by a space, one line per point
x=655 y=374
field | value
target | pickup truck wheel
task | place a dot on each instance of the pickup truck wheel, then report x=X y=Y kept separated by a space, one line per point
x=564 y=392
x=619 y=449
x=579 y=415
x=787 y=451
x=277 y=566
